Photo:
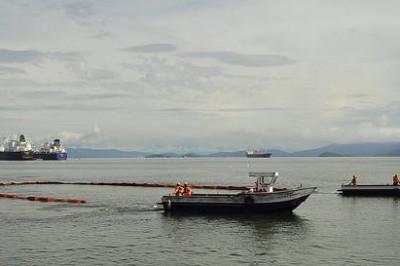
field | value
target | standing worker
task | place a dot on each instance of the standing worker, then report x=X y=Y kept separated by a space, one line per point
x=178 y=189
x=187 y=191
x=395 y=180
x=354 y=180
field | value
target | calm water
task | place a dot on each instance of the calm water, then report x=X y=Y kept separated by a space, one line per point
x=125 y=226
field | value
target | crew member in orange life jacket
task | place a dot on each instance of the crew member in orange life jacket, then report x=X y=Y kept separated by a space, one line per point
x=354 y=180
x=395 y=180
x=187 y=191
x=178 y=189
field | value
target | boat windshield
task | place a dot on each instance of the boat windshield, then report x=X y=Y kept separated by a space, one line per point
x=265 y=178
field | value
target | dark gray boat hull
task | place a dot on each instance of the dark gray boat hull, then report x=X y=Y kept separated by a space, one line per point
x=370 y=190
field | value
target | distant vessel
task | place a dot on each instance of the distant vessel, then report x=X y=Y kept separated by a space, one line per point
x=51 y=150
x=17 y=149
x=257 y=153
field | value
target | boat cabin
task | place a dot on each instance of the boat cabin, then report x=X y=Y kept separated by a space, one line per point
x=264 y=181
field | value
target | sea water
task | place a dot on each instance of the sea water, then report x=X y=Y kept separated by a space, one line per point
x=126 y=226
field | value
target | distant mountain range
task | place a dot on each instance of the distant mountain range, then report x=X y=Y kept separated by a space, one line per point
x=334 y=150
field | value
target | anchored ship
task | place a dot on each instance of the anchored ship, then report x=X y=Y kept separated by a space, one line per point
x=257 y=153
x=17 y=149
x=51 y=150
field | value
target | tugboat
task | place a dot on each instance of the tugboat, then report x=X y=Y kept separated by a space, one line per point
x=17 y=149
x=51 y=150
x=263 y=198
x=257 y=153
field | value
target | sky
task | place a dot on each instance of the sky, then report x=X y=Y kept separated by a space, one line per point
x=201 y=76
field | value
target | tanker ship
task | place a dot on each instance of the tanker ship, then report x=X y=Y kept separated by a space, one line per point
x=17 y=149
x=51 y=150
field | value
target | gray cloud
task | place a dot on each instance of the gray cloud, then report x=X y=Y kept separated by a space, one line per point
x=67 y=56
x=8 y=56
x=64 y=65
x=152 y=48
x=250 y=109
x=373 y=113
x=79 y=9
x=175 y=79
x=99 y=96
x=78 y=107
x=103 y=35
x=82 y=139
x=11 y=70
x=92 y=73
x=80 y=12
x=23 y=56
x=43 y=94
x=70 y=107
x=254 y=60
x=178 y=110
x=240 y=110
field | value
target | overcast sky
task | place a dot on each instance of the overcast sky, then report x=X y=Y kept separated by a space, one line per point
x=200 y=75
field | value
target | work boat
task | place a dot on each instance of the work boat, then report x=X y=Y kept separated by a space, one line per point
x=262 y=198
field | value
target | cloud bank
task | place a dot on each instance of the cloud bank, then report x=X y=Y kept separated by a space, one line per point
x=200 y=76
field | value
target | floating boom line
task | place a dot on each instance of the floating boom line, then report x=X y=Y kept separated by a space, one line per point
x=128 y=184
x=49 y=199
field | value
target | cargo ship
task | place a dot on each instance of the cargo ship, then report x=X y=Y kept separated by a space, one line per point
x=17 y=149
x=51 y=150
x=257 y=153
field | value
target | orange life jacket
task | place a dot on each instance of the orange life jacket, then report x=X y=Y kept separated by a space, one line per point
x=178 y=190
x=187 y=191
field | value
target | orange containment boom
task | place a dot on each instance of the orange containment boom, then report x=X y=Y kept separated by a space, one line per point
x=42 y=199
x=220 y=187
x=48 y=199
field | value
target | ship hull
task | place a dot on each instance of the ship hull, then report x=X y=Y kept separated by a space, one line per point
x=16 y=156
x=51 y=156
x=264 y=155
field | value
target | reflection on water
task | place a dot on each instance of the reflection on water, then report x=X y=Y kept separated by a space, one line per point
x=259 y=222
x=258 y=235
